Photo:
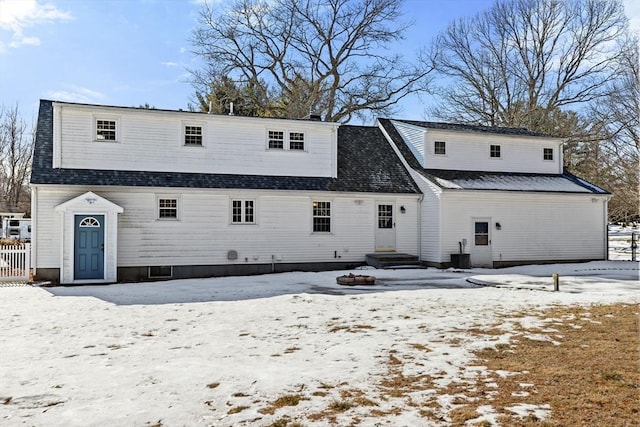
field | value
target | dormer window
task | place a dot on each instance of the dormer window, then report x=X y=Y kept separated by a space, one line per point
x=281 y=140
x=276 y=140
x=193 y=135
x=296 y=141
x=494 y=151
x=440 y=148
x=106 y=130
x=547 y=153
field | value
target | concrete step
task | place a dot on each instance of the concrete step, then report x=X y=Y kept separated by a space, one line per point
x=390 y=259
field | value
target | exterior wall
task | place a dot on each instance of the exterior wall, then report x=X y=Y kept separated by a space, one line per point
x=204 y=235
x=152 y=140
x=467 y=150
x=470 y=151
x=534 y=227
x=414 y=137
x=430 y=221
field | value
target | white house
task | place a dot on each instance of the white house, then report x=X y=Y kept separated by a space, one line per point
x=498 y=196
x=127 y=194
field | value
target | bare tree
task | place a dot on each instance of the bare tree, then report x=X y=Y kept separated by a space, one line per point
x=563 y=67
x=328 y=57
x=521 y=60
x=16 y=152
x=618 y=117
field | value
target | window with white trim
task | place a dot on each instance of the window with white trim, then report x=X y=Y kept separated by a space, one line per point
x=276 y=140
x=547 y=153
x=106 y=130
x=296 y=141
x=167 y=208
x=440 y=148
x=284 y=140
x=494 y=151
x=321 y=216
x=243 y=211
x=193 y=135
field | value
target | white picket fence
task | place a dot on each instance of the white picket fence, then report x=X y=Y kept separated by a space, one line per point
x=15 y=262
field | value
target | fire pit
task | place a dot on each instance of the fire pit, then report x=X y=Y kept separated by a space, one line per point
x=355 y=280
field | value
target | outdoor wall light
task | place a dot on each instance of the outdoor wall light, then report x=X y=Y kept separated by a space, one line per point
x=498 y=226
x=403 y=209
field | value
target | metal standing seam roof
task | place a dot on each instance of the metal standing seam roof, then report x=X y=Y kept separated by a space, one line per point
x=366 y=163
x=489 y=181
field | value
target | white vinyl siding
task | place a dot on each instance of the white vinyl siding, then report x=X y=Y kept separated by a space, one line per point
x=205 y=233
x=154 y=140
x=471 y=151
x=533 y=226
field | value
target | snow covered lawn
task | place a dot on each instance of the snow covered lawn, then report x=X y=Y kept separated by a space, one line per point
x=264 y=349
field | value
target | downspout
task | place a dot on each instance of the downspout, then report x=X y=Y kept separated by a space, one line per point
x=420 y=199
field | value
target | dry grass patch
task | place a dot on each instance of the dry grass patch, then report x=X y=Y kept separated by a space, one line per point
x=236 y=409
x=286 y=400
x=395 y=384
x=421 y=347
x=591 y=378
x=285 y=422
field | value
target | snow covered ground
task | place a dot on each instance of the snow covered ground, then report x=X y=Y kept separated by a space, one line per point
x=620 y=242
x=221 y=351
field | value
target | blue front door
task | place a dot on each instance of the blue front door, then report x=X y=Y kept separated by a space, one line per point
x=89 y=247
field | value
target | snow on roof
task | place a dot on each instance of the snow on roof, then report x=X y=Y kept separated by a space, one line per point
x=469 y=180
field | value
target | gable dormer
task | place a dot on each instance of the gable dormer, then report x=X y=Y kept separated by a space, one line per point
x=475 y=148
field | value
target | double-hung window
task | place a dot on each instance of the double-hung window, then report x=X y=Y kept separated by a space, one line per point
x=282 y=140
x=494 y=151
x=243 y=211
x=193 y=135
x=167 y=208
x=276 y=140
x=321 y=217
x=296 y=141
x=106 y=130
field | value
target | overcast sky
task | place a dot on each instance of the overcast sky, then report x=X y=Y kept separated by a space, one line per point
x=132 y=52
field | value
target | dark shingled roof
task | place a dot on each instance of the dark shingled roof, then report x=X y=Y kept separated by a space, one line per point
x=491 y=181
x=366 y=163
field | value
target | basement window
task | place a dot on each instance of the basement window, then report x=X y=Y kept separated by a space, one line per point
x=160 y=272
